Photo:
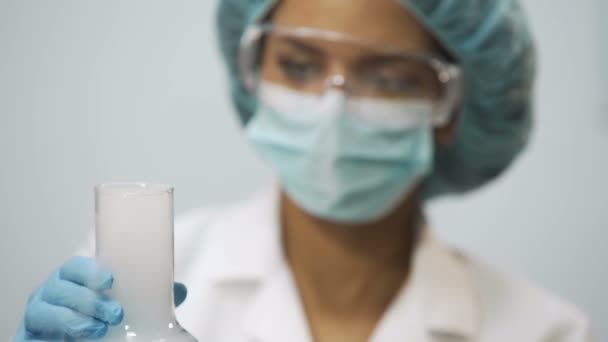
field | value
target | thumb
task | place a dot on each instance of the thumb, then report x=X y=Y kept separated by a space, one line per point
x=179 y=293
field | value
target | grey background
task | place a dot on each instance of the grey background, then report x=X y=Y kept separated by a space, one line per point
x=603 y=14
x=134 y=90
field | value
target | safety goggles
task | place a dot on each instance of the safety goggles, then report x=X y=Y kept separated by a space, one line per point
x=311 y=60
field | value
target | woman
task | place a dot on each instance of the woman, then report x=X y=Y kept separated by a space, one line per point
x=365 y=110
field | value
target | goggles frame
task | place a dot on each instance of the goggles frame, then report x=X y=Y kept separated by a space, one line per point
x=449 y=75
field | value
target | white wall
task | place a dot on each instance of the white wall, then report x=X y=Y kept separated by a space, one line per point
x=115 y=90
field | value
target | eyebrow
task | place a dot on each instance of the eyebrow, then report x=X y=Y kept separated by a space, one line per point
x=381 y=59
x=303 y=46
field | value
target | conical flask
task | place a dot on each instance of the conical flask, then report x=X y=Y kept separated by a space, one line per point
x=134 y=239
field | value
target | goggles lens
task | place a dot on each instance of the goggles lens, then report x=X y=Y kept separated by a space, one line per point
x=310 y=60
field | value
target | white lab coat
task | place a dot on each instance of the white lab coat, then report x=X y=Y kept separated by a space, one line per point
x=241 y=290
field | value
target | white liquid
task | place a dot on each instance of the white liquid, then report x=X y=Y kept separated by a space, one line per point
x=134 y=239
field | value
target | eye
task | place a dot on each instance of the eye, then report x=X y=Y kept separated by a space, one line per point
x=300 y=69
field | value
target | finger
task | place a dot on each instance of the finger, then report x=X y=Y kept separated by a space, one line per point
x=45 y=321
x=64 y=293
x=23 y=335
x=180 y=292
x=86 y=272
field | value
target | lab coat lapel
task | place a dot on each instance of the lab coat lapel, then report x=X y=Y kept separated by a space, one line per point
x=247 y=250
x=449 y=297
x=403 y=320
x=438 y=303
x=276 y=313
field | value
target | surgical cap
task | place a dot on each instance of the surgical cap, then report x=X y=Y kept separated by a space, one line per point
x=490 y=41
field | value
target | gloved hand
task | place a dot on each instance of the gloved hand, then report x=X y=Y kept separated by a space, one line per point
x=71 y=305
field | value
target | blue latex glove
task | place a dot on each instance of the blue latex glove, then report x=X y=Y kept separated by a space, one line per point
x=71 y=304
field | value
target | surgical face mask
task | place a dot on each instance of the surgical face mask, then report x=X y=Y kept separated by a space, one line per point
x=340 y=159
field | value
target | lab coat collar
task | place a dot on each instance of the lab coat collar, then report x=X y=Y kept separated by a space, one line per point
x=248 y=249
x=447 y=291
x=246 y=241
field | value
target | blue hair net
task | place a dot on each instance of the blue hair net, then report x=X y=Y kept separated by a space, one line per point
x=491 y=42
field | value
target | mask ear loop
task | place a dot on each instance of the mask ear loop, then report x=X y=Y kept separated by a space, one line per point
x=451 y=77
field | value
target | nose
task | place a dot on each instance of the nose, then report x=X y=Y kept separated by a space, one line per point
x=336 y=81
x=336 y=76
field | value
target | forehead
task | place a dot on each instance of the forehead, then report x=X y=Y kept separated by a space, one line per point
x=380 y=21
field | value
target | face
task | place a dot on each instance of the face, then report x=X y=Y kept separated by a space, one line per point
x=301 y=63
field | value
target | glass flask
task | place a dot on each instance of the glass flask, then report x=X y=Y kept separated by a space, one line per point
x=134 y=239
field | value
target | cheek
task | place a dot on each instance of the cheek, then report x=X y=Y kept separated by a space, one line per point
x=269 y=68
x=446 y=134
